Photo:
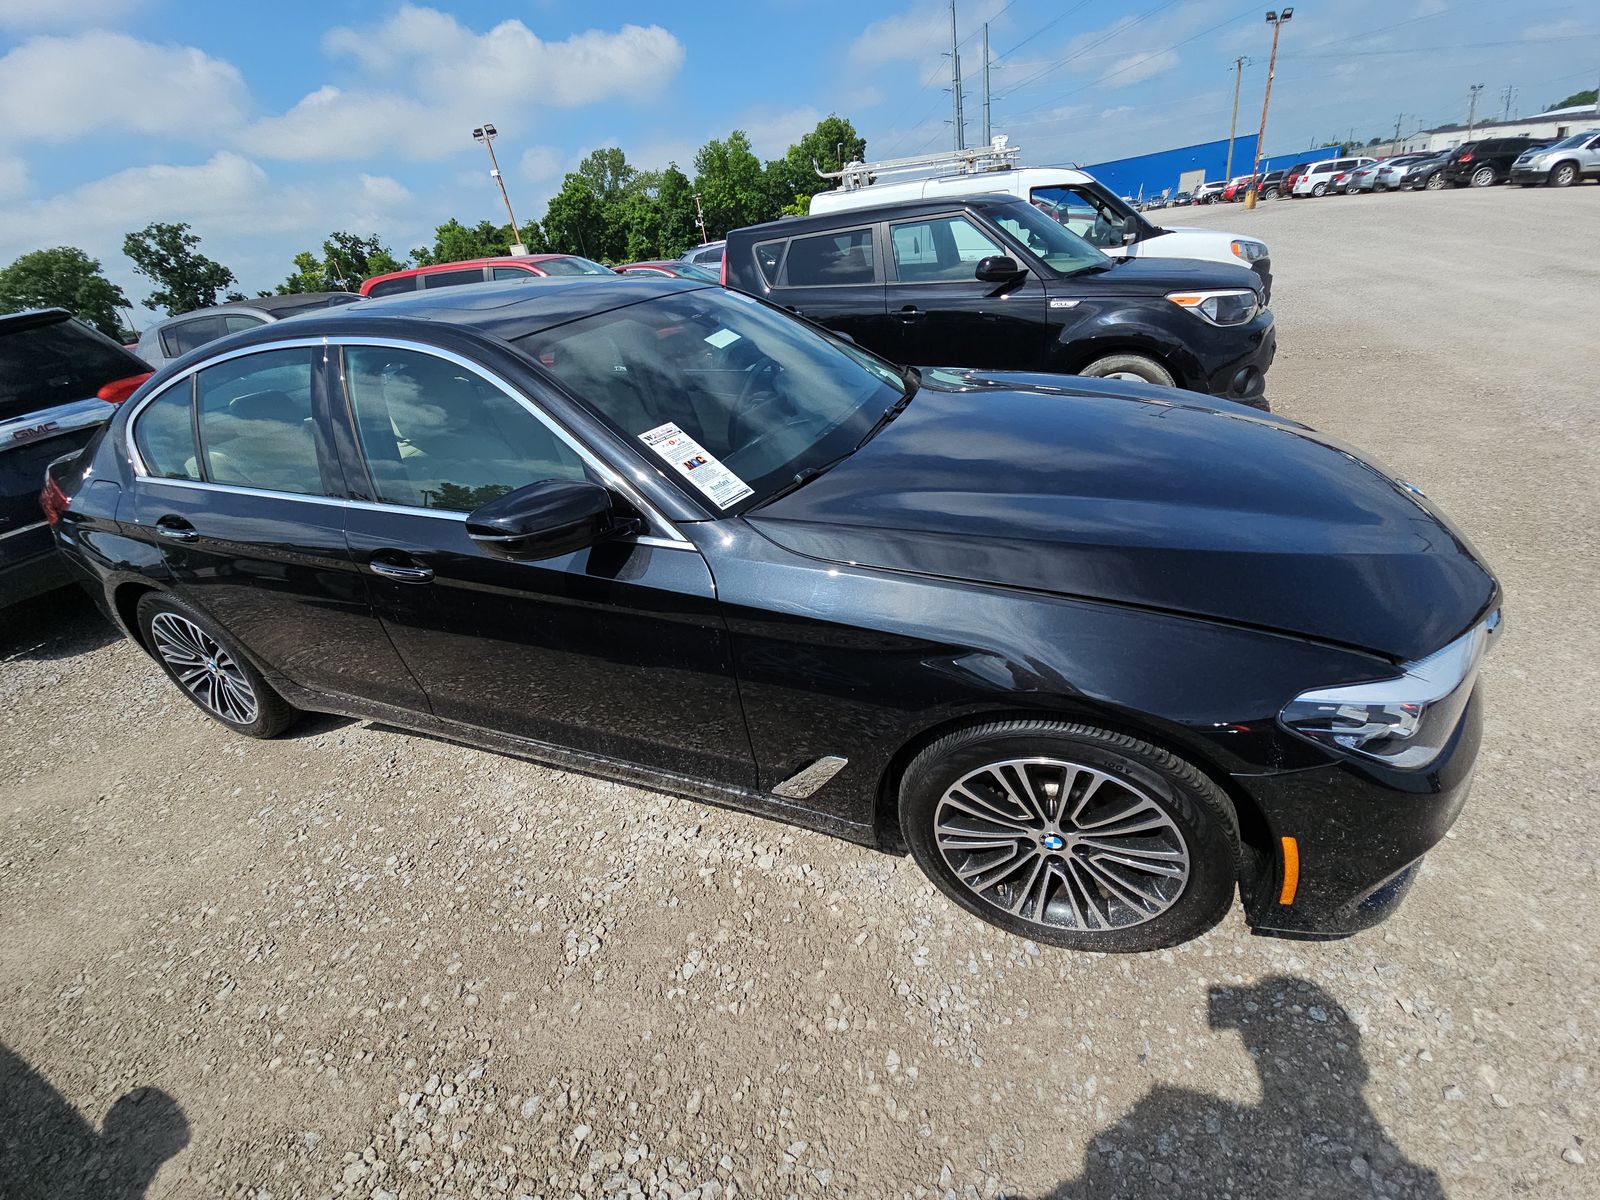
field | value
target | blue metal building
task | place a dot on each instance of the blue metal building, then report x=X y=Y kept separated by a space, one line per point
x=1172 y=170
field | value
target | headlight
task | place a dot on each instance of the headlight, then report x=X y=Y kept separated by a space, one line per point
x=1405 y=721
x=1248 y=250
x=1220 y=308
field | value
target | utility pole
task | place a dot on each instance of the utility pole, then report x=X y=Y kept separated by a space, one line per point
x=955 y=83
x=700 y=218
x=1394 y=145
x=986 y=136
x=1472 y=108
x=1508 y=96
x=1276 y=20
x=1239 y=65
x=486 y=133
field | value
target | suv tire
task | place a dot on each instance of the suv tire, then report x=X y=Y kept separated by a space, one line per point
x=1564 y=175
x=1483 y=177
x=1036 y=791
x=1319 y=190
x=1129 y=366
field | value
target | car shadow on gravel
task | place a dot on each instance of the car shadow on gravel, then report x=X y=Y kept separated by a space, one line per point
x=1312 y=1134
x=49 y=1152
x=60 y=624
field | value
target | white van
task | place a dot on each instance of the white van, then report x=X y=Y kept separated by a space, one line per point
x=1080 y=202
x=1319 y=176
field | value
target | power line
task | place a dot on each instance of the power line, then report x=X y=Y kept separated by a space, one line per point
x=1117 y=32
x=1047 y=25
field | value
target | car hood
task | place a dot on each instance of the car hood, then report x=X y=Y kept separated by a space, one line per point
x=1181 y=241
x=1130 y=494
x=1148 y=275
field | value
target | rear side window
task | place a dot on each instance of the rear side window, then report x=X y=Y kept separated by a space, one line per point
x=183 y=336
x=769 y=257
x=165 y=434
x=44 y=365
x=389 y=287
x=255 y=422
x=439 y=279
x=238 y=321
x=832 y=259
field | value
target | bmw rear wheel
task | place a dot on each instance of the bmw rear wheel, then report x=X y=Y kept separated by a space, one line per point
x=1072 y=835
x=209 y=669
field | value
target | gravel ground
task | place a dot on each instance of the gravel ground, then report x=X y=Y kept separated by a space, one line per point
x=354 y=962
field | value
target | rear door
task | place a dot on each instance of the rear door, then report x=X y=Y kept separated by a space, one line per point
x=836 y=279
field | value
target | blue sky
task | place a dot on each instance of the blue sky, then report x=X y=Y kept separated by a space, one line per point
x=266 y=125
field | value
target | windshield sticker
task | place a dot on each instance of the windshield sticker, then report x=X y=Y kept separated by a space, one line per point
x=697 y=464
x=722 y=338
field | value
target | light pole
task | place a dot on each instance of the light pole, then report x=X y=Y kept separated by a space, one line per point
x=1276 y=20
x=1239 y=65
x=486 y=133
x=1472 y=108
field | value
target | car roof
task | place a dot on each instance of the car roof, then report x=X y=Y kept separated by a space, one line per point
x=266 y=304
x=29 y=318
x=506 y=310
x=496 y=260
x=879 y=212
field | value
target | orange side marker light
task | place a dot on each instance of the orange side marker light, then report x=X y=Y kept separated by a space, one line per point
x=1291 y=870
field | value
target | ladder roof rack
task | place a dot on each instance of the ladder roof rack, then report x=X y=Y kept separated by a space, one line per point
x=998 y=155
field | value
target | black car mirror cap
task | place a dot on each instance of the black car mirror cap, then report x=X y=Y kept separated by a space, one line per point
x=548 y=519
x=998 y=268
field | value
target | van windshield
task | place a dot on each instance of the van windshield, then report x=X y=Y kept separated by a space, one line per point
x=1059 y=248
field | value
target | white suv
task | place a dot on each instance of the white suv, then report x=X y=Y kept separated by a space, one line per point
x=1318 y=177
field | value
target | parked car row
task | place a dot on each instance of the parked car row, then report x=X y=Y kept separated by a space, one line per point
x=1523 y=160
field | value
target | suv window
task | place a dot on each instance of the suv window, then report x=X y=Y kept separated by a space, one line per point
x=511 y=273
x=406 y=283
x=830 y=259
x=941 y=249
x=436 y=435
x=573 y=265
x=235 y=322
x=1084 y=213
x=56 y=362
x=255 y=422
x=438 y=279
x=769 y=257
x=165 y=434
x=183 y=336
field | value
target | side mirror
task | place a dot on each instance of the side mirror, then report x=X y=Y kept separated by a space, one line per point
x=1130 y=230
x=547 y=519
x=997 y=268
x=842 y=336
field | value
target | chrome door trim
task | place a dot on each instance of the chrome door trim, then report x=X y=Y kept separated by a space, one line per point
x=11 y=533
x=663 y=532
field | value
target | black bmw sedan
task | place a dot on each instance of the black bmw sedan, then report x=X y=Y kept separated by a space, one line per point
x=1099 y=654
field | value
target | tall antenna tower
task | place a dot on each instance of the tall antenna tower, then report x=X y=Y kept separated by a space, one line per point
x=955 y=83
x=986 y=83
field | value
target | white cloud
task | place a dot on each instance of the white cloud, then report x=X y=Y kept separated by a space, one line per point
x=57 y=14
x=920 y=33
x=13 y=177
x=773 y=133
x=428 y=80
x=542 y=164
x=1135 y=67
x=64 y=87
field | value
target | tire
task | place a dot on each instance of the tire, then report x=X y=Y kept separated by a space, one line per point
x=1320 y=190
x=1271 y=193
x=208 y=667
x=1434 y=184
x=1129 y=366
x=1564 y=175
x=1483 y=177
x=1012 y=783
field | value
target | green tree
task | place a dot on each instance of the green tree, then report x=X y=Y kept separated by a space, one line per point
x=677 y=230
x=1577 y=98
x=733 y=187
x=577 y=222
x=830 y=145
x=454 y=242
x=347 y=261
x=607 y=173
x=167 y=255
x=63 y=277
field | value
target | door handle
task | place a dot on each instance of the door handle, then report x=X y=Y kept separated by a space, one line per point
x=910 y=313
x=401 y=574
x=176 y=529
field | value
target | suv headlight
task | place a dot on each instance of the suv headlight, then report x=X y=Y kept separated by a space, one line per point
x=1232 y=307
x=1405 y=721
x=1248 y=250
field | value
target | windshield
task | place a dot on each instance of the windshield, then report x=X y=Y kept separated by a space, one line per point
x=1059 y=248
x=55 y=362
x=729 y=397
x=1573 y=142
x=573 y=265
x=697 y=271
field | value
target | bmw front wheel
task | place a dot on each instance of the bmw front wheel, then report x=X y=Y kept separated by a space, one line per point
x=1072 y=835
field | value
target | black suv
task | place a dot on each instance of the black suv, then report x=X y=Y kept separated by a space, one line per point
x=991 y=282
x=1487 y=162
x=59 y=381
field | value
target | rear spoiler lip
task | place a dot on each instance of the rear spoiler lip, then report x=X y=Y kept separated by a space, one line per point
x=51 y=422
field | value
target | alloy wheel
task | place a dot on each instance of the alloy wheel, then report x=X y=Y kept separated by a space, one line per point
x=204 y=669
x=1061 y=845
x=1564 y=175
x=1483 y=177
x=1434 y=184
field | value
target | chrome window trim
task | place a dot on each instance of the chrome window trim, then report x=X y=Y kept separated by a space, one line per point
x=663 y=532
x=11 y=533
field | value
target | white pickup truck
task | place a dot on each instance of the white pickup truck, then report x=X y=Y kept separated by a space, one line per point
x=1080 y=202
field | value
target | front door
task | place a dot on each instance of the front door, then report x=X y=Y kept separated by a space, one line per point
x=249 y=526
x=617 y=650
x=944 y=316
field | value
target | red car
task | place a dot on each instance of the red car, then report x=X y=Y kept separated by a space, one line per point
x=480 y=270
x=674 y=268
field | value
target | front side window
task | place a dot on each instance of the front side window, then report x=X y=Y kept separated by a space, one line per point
x=831 y=259
x=761 y=395
x=939 y=250
x=255 y=421
x=1082 y=212
x=439 y=279
x=1058 y=247
x=238 y=322
x=436 y=435
x=573 y=265
x=165 y=434
x=511 y=273
x=769 y=257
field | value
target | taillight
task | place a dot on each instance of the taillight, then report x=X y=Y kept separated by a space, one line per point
x=119 y=390
x=1465 y=158
x=53 y=500
x=724 y=267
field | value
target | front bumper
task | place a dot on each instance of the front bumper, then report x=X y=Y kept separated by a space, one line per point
x=1247 y=352
x=1361 y=830
x=1529 y=174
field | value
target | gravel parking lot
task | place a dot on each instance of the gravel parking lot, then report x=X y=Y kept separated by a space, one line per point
x=358 y=962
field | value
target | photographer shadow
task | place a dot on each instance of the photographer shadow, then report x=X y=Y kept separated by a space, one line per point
x=49 y=1152
x=1311 y=1134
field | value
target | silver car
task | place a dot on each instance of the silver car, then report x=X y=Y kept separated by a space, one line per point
x=1569 y=161
x=1400 y=175
x=1371 y=178
x=176 y=336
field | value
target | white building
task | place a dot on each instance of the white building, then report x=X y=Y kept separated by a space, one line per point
x=1556 y=123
